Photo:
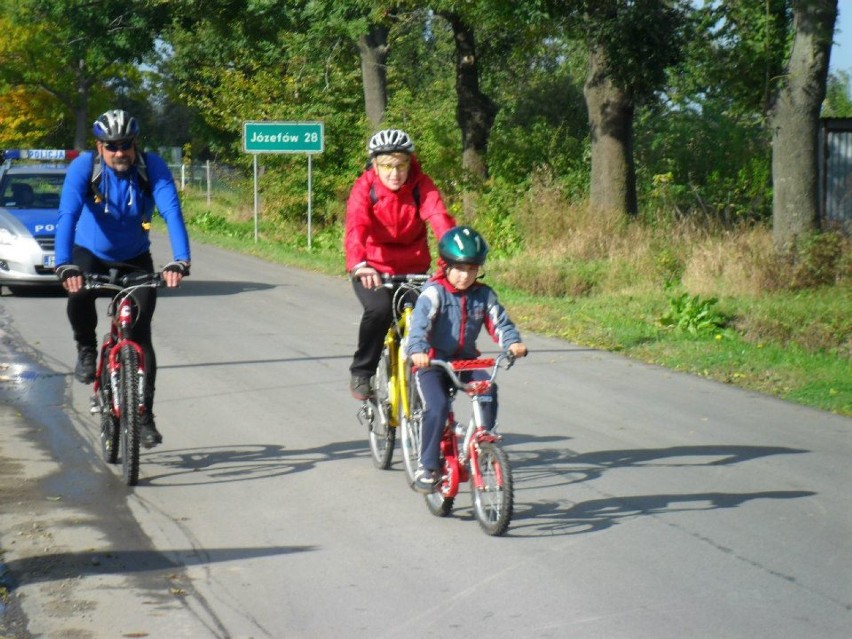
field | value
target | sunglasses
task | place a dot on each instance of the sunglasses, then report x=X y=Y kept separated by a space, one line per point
x=123 y=145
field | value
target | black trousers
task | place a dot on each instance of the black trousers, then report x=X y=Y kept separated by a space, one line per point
x=375 y=321
x=83 y=316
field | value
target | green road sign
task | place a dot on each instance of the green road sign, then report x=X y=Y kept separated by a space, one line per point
x=283 y=137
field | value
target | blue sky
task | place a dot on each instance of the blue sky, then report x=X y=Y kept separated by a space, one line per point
x=841 y=53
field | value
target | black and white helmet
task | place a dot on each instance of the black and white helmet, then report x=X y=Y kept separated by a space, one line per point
x=115 y=125
x=390 y=141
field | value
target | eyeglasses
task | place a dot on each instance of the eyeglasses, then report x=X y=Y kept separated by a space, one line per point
x=402 y=166
x=122 y=145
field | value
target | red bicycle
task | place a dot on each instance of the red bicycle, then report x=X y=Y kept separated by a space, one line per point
x=120 y=374
x=474 y=453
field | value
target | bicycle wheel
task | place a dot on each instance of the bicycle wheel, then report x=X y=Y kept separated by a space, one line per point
x=440 y=503
x=129 y=399
x=493 y=503
x=382 y=434
x=411 y=425
x=110 y=430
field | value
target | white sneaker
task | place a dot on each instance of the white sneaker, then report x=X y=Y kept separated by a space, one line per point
x=425 y=480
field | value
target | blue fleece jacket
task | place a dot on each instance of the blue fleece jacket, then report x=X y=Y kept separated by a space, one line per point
x=113 y=229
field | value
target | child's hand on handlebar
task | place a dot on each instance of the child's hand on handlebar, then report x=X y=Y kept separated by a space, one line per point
x=518 y=349
x=420 y=360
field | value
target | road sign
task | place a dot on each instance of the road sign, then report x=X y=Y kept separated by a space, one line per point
x=283 y=137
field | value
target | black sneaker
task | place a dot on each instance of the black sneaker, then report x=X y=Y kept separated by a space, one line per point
x=360 y=387
x=149 y=436
x=86 y=361
x=425 y=480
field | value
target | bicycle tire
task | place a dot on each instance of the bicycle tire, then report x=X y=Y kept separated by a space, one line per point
x=494 y=502
x=129 y=399
x=411 y=428
x=110 y=427
x=382 y=435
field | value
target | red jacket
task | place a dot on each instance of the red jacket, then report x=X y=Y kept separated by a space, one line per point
x=389 y=235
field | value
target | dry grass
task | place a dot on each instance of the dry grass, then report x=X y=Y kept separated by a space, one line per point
x=571 y=250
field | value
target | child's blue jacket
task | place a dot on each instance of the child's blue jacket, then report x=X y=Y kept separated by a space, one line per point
x=446 y=322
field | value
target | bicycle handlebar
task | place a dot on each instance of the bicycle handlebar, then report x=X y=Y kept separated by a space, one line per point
x=113 y=281
x=452 y=368
x=390 y=281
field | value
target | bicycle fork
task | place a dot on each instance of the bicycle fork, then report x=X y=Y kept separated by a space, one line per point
x=115 y=365
x=475 y=435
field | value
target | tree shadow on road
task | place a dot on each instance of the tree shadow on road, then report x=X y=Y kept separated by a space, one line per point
x=59 y=566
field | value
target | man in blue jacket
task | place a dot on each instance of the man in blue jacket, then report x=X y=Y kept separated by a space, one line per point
x=104 y=217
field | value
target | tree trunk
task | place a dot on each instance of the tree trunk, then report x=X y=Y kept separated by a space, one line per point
x=794 y=121
x=373 y=49
x=475 y=111
x=82 y=123
x=613 y=175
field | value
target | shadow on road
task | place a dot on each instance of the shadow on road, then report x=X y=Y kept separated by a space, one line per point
x=556 y=468
x=59 y=566
x=204 y=466
x=201 y=288
x=554 y=518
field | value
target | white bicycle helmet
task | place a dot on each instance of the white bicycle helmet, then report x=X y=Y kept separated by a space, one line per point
x=115 y=125
x=390 y=141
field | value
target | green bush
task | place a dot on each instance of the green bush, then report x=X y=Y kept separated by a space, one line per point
x=693 y=315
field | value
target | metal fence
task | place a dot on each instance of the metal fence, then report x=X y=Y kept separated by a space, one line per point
x=835 y=172
x=208 y=177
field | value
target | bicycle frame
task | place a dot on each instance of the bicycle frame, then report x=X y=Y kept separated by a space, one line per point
x=118 y=337
x=479 y=452
x=121 y=310
x=458 y=456
x=119 y=387
x=388 y=404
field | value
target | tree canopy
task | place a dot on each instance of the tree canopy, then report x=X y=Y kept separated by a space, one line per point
x=695 y=84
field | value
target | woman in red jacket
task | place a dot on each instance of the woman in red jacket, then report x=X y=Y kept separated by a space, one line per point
x=388 y=210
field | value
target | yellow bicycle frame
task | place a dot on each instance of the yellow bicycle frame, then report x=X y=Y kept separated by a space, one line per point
x=398 y=380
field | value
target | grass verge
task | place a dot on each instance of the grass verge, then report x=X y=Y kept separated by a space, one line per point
x=792 y=344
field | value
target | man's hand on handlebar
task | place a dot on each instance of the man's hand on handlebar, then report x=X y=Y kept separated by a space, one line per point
x=369 y=276
x=174 y=272
x=70 y=276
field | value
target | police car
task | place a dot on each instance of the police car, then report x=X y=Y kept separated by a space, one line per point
x=30 y=185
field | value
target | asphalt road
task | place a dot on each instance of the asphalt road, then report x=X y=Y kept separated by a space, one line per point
x=648 y=503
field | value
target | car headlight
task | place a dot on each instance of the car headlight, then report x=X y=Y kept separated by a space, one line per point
x=7 y=237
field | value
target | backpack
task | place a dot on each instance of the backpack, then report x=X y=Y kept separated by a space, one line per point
x=96 y=172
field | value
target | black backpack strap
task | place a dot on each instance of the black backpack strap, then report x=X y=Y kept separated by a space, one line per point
x=415 y=193
x=95 y=174
x=142 y=172
x=97 y=171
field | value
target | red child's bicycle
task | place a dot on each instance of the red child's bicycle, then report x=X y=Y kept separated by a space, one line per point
x=120 y=374
x=474 y=453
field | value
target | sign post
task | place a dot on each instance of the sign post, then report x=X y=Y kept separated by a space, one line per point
x=284 y=137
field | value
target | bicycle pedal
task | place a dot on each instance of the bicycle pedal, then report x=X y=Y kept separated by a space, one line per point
x=94 y=405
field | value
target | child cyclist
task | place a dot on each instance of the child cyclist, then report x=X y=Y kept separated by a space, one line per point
x=450 y=312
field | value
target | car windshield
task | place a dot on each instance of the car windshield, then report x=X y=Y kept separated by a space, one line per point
x=32 y=191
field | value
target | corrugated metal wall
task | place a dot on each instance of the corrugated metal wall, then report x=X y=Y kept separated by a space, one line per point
x=835 y=166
